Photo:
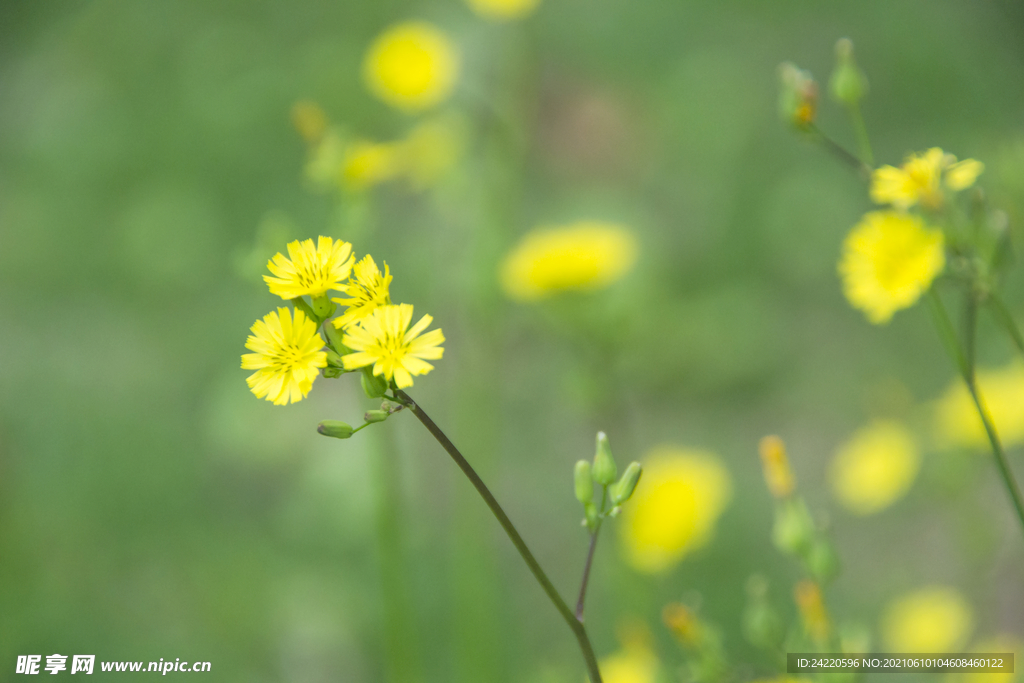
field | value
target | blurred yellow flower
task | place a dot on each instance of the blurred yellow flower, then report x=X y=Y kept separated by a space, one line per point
x=875 y=468
x=312 y=270
x=956 y=417
x=634 y=662
x=934 y=619
x=310 y=120
x=412 y=66
x=286 y=358
x=918 y=180
x=675 y=507
x=503 y=10
x=811 y=605
x=1003 y=643
x=384 y=339
x=367 y=291
x=777 y=473
x=367 y=163
x=889 y=260
x=586 y=256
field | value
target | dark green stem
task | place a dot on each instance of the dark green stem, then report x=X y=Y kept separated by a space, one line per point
x=538 y=573
x=965 y=364
x=839 y=151
x=590 y=556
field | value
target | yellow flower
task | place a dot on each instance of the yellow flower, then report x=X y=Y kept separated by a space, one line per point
x=934 y=619
x=503 y=10
x=310 y=120
x=412 y=66
x=312 y=270
x=368 y=163
x=919 y=179
x=384 y=339
x=875 y=468
x=889 y=260
x=367 y=290
x=777 y=473
x=675 y=507
x=584 y=256
x=811 y=605
x=1002 y=390
x=1005 y=644
x=635 y=664
x=287 y=355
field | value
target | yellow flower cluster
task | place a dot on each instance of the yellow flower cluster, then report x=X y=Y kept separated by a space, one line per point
x=675 y=508
x=583 y=256
x=875 y=468
x=921 y=178
x=288 y=350
x=891 y=257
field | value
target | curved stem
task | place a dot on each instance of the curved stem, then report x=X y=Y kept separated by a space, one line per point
x=563 y=609
x=965 y=364
x=590 y=555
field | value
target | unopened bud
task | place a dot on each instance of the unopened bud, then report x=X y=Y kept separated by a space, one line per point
x=334 y=338
x=375 y=415
x=777 y=474
x=334 y=359
x=848 y=84
x=798 y=96
x=584 y=482
x=793 y=532
x=623 y=489
x=604 y=464
x=335 y=428
x=811 y=606
x=330 y=372
x=374 y=386
x=323 y=307
x=822 y=561
x=683 y=623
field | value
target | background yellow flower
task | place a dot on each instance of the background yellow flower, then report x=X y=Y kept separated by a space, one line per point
x=933 y=619
x=583 y=256
x=675 y=507
x=889 y=260
x=956 y=418
x=412 y=66
x=503 y=10
x=875 y=468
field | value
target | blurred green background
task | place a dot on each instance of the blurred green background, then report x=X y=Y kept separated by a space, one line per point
x=151 y=507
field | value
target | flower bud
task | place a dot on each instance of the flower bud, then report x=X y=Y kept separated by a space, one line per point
x=374 y=386
x=822 y=561
x=334 y=338
x=761 y=624
x=848 y=84
x=793 y=532
x=623 y=489
x=811 y=606
x=335 y=428
x=777 y=474
x=323 y=306
x=375 y=415
x=331 y=372
x=798 y=96
x=604 y=464
x=334 y=359
x=584 y=482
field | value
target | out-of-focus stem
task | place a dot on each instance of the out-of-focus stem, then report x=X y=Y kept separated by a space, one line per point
x=840 y=152
x=1003 y=316
x=861 y=131
x=590 y=555
x=542 y=578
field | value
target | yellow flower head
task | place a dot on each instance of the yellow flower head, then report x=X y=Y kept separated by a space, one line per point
x=889 y=260
x=1004 y=643
x=412 y=66
x=286 y=358
x=675 y=507
x=310 y=120
x=634 y=662
x=385 y=340
x=775 y=464
x=934 y=619
x=811 y=605
x=367 y=291
x=957 y=421
x=584 y=256
x=503 y=10
x=366 y=164
x=919 y=180
x=311 y=270
x=875 y=468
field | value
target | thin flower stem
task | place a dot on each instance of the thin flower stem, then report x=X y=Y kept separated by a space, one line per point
x=1003 y=316
x=563 y=609
x=590 y=557
x=965 y=365
x=839 y=151
x=863 y=141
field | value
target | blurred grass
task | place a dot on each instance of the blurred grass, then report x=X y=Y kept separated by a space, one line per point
x=150 y=507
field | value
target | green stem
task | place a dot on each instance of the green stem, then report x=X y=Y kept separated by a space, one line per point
x=563 y=609
x=839 y=151
x=590 y=556
x=965 y=365
x=861 y=131
x=1003 y=316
